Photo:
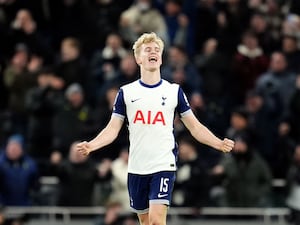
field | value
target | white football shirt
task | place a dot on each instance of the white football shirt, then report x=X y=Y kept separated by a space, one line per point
x=150 y=111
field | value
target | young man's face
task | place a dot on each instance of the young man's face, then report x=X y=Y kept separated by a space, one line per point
x=150 y=57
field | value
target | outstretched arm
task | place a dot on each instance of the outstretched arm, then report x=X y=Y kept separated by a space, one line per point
x=105 y=137
x=204 y=135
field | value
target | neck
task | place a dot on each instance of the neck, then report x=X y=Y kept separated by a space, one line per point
x=149 y=77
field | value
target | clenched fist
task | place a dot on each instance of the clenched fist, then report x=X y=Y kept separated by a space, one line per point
x=226 y=145
x=84 y=148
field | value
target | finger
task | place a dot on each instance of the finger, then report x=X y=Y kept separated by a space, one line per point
x=227 y=146
x=79 y=146
x=229 y=142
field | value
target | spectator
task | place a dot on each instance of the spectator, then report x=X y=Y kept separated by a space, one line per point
x=77 y=178
x=18 y=174
x=291 y=25
x=291 y=52
x=105 y=64
x=216 y=87
x=198 y=106
x=127 y=72
x=274 y=14
x=293 y=187
x=232 y=19
x=71 y=66
x=42 y=104
x=180 y=70
x=214 y=69
x=141 y=17
x=291 y=125
x=207 y=11
x=192 y=183
x=74 y=121
x=239 y=122
x=261 y=122
x=278 y=84
x=179 y=31
x=246 y=176
x=248 y=64
x=289 y=132
x=24 y=29
x=17 y=81
x=104 y=16
x=259 y=25
x=103 y=112
x=119 y=180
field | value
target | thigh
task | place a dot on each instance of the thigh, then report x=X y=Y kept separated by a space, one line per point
x=161 y=187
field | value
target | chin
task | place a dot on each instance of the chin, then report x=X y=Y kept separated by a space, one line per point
x=152 y=69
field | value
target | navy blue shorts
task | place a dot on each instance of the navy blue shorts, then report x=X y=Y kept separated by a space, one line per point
x=154 y=188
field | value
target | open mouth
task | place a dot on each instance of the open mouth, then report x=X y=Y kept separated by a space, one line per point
x=152 y=59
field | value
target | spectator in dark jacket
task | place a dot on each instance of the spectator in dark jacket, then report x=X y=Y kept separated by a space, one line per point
x=246 y=176
x=71 y=66
x=77 y=175
x=18 y=174
x=73 y=121
x=248 y=64
x=192 y=182
x=42 y=103
x=293 y=187
x=180 y=70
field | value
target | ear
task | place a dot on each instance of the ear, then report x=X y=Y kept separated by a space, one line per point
x=138 y=60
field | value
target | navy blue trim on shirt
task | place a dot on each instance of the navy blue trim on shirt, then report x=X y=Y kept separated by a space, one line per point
x=119 y=105
x=183 y=104
x=150 y=86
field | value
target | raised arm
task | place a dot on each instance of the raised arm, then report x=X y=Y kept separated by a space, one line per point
x=202 y=134
x=105 y=137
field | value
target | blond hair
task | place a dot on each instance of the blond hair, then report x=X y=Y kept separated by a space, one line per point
x=145 y=39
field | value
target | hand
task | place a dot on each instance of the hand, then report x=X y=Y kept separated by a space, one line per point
x=183 y=20
x=222 y=20
x=57 y=83
x=84 y=148
x=226 y=145
x=218 y=170
x=284 y=128
x=56 y=157
x=104 y=167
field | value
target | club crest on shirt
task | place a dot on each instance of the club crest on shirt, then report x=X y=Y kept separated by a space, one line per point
x=163 y=100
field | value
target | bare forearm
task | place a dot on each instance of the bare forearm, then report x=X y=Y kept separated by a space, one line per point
x=205 y=136
x=105 y=137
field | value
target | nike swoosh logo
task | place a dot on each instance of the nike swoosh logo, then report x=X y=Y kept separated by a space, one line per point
x=134 y=100
x=160 y=195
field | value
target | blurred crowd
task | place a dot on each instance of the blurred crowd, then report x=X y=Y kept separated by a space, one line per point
x=62 y=62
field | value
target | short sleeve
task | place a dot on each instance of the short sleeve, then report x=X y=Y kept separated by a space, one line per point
x=119 y=108
x=183 y=106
